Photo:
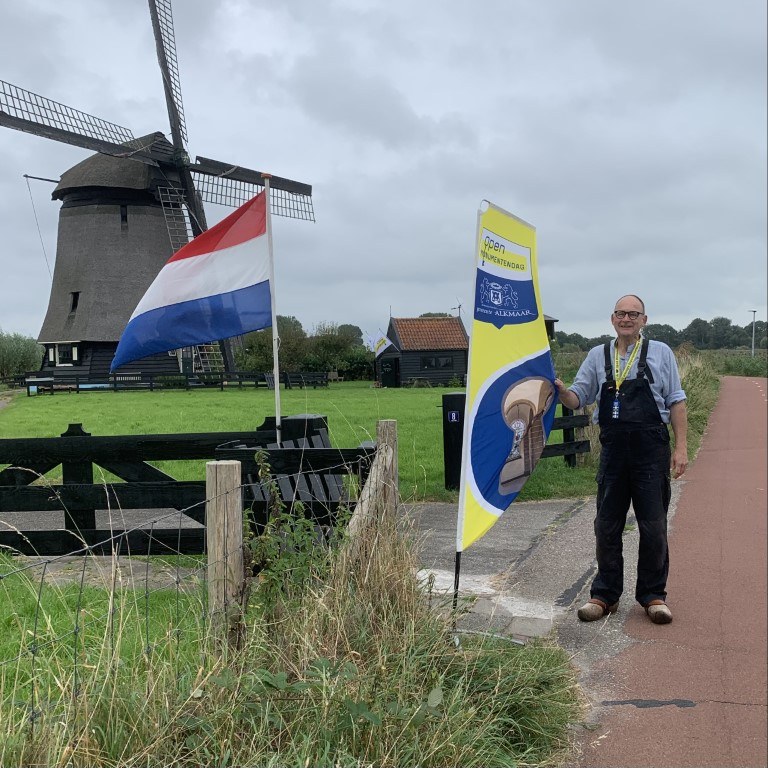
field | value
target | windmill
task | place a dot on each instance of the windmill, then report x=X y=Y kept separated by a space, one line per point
x=124 y=211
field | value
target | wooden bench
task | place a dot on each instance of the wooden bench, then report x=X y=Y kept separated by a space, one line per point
x=333 y=376
x=418 y=381
x=314 y=379
x=39 y=384
x=307 y=470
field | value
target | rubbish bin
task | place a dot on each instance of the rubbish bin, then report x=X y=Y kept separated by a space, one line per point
x=454 y=404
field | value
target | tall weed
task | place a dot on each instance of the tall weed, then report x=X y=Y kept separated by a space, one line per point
x=358 y=669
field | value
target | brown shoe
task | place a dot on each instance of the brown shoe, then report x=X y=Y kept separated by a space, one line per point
x=595 y=609
x=658 y=612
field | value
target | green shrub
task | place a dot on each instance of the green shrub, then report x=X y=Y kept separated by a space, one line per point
x=18 y=354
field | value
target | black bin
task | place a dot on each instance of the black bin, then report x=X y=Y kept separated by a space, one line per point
x=454 y=404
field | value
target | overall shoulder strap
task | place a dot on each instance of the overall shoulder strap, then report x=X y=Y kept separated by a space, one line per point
x=642 y=366
x=608 y=361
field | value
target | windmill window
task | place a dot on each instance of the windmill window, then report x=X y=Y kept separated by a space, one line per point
x=74 y=300
x=124 y=218
x=64 y=354
x=51 y=354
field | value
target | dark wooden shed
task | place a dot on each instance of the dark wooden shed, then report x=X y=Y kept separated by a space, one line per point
x=425 y=350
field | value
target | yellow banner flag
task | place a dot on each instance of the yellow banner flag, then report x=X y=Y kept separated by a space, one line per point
x=510 y=385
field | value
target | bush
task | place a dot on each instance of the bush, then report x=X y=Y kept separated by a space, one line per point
x=739 y=363
x=18 y=354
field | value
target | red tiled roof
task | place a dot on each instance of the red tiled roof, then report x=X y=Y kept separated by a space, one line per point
x=427 y=333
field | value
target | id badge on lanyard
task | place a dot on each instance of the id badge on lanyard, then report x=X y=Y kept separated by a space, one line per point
x=621 y=375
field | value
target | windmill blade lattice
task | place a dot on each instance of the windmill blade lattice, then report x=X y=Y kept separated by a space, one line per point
x=29 y=112
x=162 y=21
x=233 y=193
x=233 y=185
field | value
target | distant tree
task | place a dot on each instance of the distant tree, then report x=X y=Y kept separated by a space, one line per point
x=18 y=354
x=720 y=332
x=662 y=332
x=435 y=314
x=598 y=340
x=293 y=343
x=568 y=341
x=761 y=334
x=351 y=332
x=697 y=333
x=740 y=337
x=255 y=353
x=357 y=364
x=326 y=348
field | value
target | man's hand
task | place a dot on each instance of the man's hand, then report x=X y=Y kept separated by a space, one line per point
x=679 y=461
x=678 y=415
x=568 y=398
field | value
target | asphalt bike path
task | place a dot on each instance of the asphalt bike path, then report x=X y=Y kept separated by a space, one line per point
x=691 y=694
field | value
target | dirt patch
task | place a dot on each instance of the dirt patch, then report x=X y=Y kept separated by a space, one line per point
x=137 y=572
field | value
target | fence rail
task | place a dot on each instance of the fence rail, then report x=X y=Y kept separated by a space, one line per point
x=300 y=465
x=39 y=383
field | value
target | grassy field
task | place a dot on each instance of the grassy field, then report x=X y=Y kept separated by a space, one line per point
x=352 y=408
x=352 y=666
x=349 y=667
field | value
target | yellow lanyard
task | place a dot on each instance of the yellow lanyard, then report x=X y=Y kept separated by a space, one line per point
x=618 y=373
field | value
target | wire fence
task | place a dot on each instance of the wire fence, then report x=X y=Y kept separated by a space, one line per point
x=79 y=621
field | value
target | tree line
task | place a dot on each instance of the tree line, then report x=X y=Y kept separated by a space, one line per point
x=330 y=347
x=340 y=347
x=718 y=333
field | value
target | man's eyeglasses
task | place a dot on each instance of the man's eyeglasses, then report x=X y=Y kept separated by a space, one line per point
x=620 y=314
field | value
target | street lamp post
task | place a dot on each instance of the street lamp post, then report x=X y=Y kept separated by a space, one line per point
x=754 y=312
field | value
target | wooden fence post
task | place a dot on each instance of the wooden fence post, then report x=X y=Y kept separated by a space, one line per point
x=380 y=493
x=569 y=435
x=224 y=535
x=386 y=435
x=78 y=516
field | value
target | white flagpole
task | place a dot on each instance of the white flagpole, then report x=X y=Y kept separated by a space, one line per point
x=272 y=293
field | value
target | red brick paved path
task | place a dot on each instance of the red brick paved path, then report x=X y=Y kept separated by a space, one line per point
x=692 y=694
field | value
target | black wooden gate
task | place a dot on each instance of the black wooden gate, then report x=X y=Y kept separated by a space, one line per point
x=174 y=506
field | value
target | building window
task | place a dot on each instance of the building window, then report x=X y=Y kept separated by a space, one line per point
x=51 y=354
x=74 y=300
x=434 y=362
x=64 y=354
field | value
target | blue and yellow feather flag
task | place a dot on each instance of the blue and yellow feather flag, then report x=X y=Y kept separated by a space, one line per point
x=511 y=395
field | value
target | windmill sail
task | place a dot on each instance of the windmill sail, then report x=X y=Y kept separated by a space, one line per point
x=112 y=242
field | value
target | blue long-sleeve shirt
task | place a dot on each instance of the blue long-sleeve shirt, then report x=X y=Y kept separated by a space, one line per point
x=666 y=387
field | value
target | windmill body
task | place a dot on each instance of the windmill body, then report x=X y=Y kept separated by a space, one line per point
x=124 y=211
x=112 y=242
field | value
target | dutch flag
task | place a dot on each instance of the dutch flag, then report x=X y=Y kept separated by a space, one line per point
x=215 y=287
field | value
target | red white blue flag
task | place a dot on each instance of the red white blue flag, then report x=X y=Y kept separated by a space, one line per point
x=215 y=287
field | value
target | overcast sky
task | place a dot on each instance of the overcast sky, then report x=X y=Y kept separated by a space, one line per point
x=631 y=135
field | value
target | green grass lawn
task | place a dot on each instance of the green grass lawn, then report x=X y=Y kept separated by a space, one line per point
x=352 y=408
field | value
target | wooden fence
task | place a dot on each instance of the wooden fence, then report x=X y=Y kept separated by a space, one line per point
x=176 y=505
x=41 y=384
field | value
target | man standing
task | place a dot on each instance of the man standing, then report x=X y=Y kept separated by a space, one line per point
x=637 y=387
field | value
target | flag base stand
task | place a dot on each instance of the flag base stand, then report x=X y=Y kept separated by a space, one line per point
x=456 y=574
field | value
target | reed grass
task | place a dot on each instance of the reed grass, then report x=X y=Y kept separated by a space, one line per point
x=355 y=669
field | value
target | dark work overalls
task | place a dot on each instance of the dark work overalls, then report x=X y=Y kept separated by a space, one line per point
x=634 y=466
